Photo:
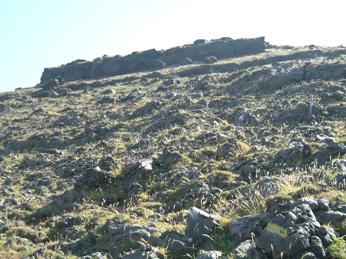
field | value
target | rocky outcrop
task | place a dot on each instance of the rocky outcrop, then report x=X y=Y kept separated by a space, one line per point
x=200 y=50
x=297 y=229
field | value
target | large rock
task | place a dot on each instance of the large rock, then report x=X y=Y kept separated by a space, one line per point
x=294 y=233
x=95 y=178
x=330 y=217
x=243 y=228
x=120 y=231
x=247 y=250
x=200 y=224
x=297 y=154
x=330 y=151
x=144 y=252
x=168 y=158
x=303 y=112
x=177 y=244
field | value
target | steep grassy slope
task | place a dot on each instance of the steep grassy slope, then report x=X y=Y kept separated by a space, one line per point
x=115 y=164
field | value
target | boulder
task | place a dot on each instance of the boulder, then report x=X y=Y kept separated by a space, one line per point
x=243 y=228
x=97 y=255
x=131 y=232
x=177 y=244
x=200 y=224
x=107 y=163
x=293 y=233
x=341 y=180
x=295 y=155
x=144 y=252
x=330 y=217
x=3 y=226
x=314 y=204
x=95 y=178
x=330 y=151
x=248 y=172
x=247 y=250
x=168 y=158
x=302 y=112
x=135 y=170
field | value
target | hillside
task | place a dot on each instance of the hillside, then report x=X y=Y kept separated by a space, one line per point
x=232 y=155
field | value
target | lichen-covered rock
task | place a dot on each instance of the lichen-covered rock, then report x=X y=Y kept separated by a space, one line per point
x=293 y=233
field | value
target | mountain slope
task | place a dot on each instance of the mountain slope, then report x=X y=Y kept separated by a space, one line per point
x=118 y=166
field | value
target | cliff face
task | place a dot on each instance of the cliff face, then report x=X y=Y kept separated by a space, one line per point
x=200 y=50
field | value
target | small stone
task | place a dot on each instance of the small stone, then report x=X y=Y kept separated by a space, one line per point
x=209 y=254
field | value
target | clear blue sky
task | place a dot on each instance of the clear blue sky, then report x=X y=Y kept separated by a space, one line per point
x=44 y=33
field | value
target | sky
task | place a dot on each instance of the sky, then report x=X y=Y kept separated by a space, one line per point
x=44 y=33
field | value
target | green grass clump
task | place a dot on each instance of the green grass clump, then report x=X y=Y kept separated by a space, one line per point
x=222 y=241
x=337 y=250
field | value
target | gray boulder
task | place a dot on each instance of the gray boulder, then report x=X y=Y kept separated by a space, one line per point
x=177 y=244
x=3 y=226
x=314 y=204
x=168 y=158
x=144 y=252
x=96 y=255
x=295 y=155
x=243 y=228
x=330 y=216
x=330 y=151
x=293 y=233
x=95 y=178
x=200 y=224
x=247 y=250
x=341 y=208
x=341 y=180
x=120 y=231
